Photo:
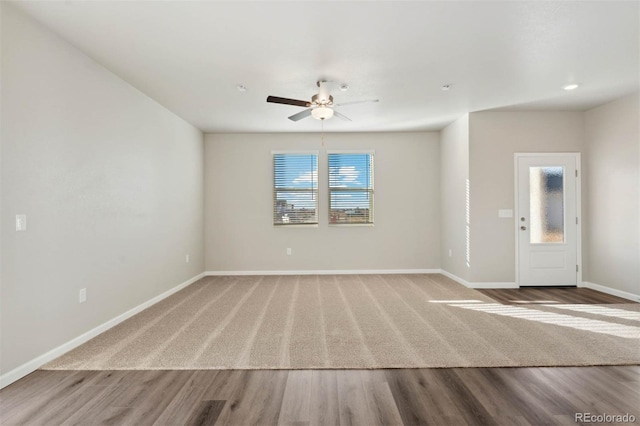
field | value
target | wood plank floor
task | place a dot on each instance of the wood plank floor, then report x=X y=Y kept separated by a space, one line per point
x=452 y=396
x=448 y=396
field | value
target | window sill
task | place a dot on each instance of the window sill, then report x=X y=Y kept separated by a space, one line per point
x=297 y=225
x=357 y=225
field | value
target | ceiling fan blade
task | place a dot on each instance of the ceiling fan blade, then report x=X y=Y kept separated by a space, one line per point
x=287 y=101
x=344 y=117
x=357 y=102
x=301 y=115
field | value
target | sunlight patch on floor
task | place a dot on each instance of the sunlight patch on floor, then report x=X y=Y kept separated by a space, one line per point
x=579 y=323
x=601 y=310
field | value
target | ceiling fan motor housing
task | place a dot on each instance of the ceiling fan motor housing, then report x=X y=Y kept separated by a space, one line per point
x=317 y=100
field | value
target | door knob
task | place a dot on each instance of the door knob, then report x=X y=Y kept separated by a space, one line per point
x=524 y=228
x=522 y=219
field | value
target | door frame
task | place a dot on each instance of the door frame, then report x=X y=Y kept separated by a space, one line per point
x=516 y=225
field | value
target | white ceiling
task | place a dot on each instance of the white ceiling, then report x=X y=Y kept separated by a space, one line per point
x=190 y=56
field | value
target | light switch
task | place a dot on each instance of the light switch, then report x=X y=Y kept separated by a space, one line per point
x=505 y=213
x=21 y=222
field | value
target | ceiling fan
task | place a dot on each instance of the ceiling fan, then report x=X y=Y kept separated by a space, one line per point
x=320 y=107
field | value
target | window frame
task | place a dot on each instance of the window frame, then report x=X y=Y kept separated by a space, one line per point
x=276 y=190
x=370 y=190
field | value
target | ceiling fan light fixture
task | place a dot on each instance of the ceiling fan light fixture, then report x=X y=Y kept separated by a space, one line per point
x=322 y=113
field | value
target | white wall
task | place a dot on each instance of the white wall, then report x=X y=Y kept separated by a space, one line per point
x=454 y=172
x=613 y=147
x=494 y=137
x=110 y=181
x=240 y=235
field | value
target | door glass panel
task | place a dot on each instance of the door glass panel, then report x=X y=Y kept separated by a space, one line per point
x=546 y=201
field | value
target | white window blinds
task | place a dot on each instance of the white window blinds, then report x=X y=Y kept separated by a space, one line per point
x=295 y=188
x=350 y=188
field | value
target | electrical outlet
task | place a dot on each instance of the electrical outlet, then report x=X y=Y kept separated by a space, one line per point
x=82 y=295
x=186 y=258
x=288 y=251
x=450 y=252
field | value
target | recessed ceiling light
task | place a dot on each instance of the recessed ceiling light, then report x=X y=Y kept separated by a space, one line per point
x=446 y=87
x=570 y=87
x=241 y=88
x=344 y=87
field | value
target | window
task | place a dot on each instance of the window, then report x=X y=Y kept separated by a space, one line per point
x=350 y=187
x=295 y=188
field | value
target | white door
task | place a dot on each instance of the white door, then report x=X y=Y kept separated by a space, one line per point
x=547 y=219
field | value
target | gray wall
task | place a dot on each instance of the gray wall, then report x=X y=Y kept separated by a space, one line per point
x=240 y=235
x=613 y=146
x=494 y=137
x=454 y=172
x=110 y=181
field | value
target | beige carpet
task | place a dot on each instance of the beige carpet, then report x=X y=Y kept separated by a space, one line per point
x=356 y=321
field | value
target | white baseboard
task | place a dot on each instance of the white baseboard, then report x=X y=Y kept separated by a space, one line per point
x=327 y=272
x=31 y=366
x=485 y=285
x=611 y=291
